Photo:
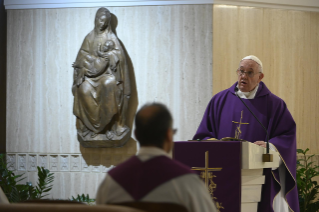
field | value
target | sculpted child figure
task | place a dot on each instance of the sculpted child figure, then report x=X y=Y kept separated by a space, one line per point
x=107 y=51
x=94 y=66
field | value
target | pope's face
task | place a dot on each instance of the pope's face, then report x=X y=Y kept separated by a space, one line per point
x=251 y=77
x=101 y=22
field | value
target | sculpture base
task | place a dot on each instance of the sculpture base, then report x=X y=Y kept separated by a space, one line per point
x=102 y=141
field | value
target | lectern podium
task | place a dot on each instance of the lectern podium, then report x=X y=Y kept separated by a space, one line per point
x=232 y=170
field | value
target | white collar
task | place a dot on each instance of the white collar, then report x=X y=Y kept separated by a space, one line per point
x=248 y=95
x=146 y=153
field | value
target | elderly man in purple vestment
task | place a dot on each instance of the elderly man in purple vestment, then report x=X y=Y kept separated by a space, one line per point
x=152 y=176
x=279 y=193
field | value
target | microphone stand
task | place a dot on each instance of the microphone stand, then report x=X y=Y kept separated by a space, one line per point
x=266 y=157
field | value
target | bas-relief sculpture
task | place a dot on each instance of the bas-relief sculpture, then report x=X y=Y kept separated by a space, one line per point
x=22 y=162
x=101 y=87
x=11 y=162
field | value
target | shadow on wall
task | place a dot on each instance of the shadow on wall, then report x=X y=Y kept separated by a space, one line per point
x=113 y=156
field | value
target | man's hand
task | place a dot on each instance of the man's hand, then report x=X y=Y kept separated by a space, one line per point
x=261 y=143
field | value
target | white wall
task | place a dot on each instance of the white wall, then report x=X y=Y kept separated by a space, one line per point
x=170 y=48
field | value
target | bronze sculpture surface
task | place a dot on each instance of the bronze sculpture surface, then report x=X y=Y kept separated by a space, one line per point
x=101 y=87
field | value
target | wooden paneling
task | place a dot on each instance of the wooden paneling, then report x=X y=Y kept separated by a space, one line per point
x=287 y=42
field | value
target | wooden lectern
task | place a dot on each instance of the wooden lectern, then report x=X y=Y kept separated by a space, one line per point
x=247 y=163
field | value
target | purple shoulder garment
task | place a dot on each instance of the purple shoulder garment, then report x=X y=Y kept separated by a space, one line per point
x=139 y=178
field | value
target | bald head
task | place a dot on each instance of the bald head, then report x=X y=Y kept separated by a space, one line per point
x=152 y=122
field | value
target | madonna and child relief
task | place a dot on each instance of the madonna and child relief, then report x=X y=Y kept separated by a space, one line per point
x=101 y=87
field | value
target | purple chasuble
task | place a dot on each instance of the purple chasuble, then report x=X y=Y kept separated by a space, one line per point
x=139 y=178
x=272 y=111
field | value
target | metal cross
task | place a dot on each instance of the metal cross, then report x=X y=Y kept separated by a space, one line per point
x=238 y=131
x=206 y=168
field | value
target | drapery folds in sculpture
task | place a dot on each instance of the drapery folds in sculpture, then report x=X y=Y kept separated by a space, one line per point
x=101 y=87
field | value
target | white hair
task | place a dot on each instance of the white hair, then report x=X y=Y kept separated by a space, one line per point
x=256 y=59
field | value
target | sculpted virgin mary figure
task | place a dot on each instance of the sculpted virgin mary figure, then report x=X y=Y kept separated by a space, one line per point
x=101 y=87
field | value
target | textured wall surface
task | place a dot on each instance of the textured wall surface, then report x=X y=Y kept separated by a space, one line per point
x=170 y=49
x=287 y=43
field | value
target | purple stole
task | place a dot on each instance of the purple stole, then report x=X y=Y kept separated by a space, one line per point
x=139 y=178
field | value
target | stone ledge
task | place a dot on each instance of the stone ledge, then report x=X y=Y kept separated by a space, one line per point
x=59 y=162
x=307 y=5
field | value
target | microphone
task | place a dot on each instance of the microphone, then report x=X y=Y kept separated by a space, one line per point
x=266 y=157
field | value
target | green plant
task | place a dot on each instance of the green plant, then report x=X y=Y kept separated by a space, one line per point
x=307 y=187
x=21 y=192
x=83 y=198
x=44 y=182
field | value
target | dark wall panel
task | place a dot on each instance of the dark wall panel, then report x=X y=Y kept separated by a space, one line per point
x=3 y=76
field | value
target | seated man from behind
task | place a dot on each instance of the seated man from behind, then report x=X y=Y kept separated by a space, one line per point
x=152 y=176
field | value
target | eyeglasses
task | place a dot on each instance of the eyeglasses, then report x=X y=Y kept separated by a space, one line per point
x=248 y=74
x=174 y=131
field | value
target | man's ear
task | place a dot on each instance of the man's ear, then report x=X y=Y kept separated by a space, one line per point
x=169 y=134
x=261 y=76
x=168 y=142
